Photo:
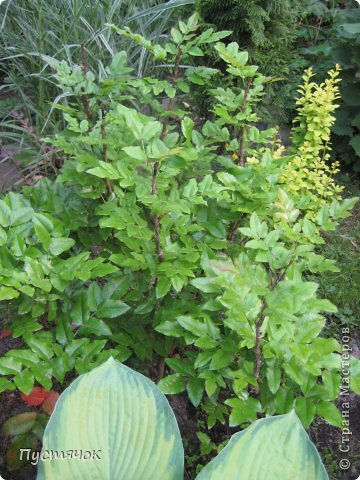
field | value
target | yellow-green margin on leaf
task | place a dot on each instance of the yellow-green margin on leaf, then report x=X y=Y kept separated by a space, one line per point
x=272 y=448
x=123 y=417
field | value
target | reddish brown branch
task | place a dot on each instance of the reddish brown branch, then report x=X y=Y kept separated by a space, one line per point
x=241 y=155
x=84 y=98
x=154 y=178
x=159 y=250
x=258 y=325
x=8 y=312
x=171 y=101
x=83 y=61
x=241 y=159
x=156 y=220
x=233 y=227
x=104 y=147
x=257 y=348
x=165 y=124
x=161 y=364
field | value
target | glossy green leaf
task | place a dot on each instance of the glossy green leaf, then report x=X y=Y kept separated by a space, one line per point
x=112 y=308
x=8 y=293
x=172 y=384
x=24 y=381
x=135 y=152
x=330 y=413
x=60 y=245
x=195 y=388
x=305 y=408
x=273 y=374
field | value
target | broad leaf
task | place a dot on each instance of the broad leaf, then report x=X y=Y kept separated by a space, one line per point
x=121 y=414
x=270 y=449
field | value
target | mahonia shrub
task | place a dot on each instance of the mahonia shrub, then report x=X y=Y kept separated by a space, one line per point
x=185 y=251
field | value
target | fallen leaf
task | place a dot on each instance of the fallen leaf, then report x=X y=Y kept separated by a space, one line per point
x=50 y=401
x=5 y=333
x=35 y=397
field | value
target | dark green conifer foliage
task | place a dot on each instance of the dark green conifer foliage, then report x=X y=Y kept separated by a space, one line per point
x=267 y=29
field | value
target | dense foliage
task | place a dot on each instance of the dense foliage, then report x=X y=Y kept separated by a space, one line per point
x=267 y=29
x=172 y=242
x=285 y=38
x=310 y=172
x=331 y=34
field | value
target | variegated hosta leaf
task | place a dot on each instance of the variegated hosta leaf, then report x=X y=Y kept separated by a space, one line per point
x=124 y=418
x=272 y=448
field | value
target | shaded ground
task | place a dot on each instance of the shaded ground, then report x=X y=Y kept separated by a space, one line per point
x=8 y=175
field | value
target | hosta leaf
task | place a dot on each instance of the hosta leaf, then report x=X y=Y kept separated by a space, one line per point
x=270 y=449
x=134 y=428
